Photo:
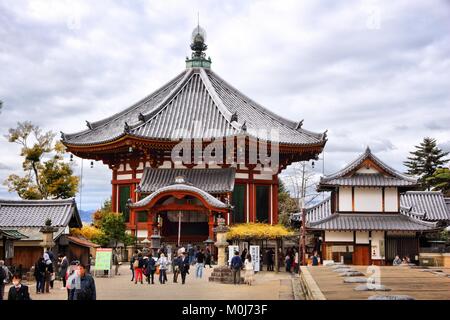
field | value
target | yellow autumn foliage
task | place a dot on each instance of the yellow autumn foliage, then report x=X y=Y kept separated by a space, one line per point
x=88 y=232
x=258 y=231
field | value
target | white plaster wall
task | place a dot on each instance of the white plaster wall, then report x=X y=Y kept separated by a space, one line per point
x=345 y=199
x=362 y=237
x=368 y=199
x=377 y=243
x=138 y=175
x=263 y=176
x=141 y=166
x=142 y=233
x=124 y=176
x=241 y=176
x=365 y=170
x=337 y=236
x=127 y=167
x=391 y=200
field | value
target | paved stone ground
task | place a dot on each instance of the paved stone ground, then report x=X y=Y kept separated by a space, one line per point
x=401 y=280
x=267 y=286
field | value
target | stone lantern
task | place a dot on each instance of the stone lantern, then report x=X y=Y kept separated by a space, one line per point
x=222 y=273
x=47 y=231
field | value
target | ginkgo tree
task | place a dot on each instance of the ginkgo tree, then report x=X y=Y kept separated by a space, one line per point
x=46 y=175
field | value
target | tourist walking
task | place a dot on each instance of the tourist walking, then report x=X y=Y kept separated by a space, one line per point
x=184 y=268
x=176 y=263
x=162 y=263
x=315 y=259
x=63 y=266
x=200 y=258
x=18 y=291
x=86 y=289
x=191 y=253
x=244 y=254
x=270 y=260
x=39 y=275
x=287 y=262
x=116 y=262
x=249 y=270
x=208 y=258
x=133 y=258
x=150 y=269
x=138 y=265
x=236 y=266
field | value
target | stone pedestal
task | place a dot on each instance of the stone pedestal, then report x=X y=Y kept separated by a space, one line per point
x=223 y=275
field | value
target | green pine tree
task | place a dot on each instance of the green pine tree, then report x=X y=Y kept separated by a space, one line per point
x=440 y=180
x=424 y=161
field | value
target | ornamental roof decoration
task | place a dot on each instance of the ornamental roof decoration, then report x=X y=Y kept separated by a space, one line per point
x=349 y=176
x=195 y=104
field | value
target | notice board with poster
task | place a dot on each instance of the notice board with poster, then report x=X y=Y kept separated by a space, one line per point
x=103 y=259
x=254 y=252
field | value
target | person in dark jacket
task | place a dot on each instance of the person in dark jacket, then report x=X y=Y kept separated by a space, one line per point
x=208 y=258
x=236 y=266
x=177 y=261
x=85 y=289
x=18 y=291
x=63 y=266
x=184 y=267
x=133 y=258
x=150 y=268
x=39 y=273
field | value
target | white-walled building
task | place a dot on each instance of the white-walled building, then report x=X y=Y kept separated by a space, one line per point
x=373 y=214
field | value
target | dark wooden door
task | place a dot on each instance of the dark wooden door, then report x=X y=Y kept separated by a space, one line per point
x=361 y=255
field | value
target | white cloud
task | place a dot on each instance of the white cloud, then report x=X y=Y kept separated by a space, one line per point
x=373 y=72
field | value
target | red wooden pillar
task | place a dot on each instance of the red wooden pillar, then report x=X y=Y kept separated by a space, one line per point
x=275 y=203
x=210 y=225
x=114 y=191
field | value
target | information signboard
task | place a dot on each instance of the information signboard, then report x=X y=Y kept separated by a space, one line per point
x=256 y=258
x=103 y=259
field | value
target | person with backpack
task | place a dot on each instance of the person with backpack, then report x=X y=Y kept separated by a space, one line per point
x=39 y=274
x=176 y=267
x=236 y=266
x=208 y=258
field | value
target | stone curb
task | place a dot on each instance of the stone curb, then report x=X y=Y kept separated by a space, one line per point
x=312 y=291
x=297 y=288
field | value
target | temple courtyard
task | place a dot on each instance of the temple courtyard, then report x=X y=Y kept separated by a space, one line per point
x=417 y=283
x=267 y=286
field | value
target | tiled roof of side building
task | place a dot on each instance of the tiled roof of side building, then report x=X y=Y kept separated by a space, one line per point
x=196 y=104
x=395 y=177
x=428 y=204
x=34 y=213
x=366 y=221
x=209 y=180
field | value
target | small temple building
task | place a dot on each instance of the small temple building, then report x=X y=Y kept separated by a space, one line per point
x=373 y=213
x=21 y=229
x=192 y=150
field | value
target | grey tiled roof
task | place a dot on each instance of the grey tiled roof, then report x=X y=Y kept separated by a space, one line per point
x=342 y=177
x=447 y=202
x=34 y=233
x=364 y=222
x=12 y=234
x=315 y=213
x=430 y=205
x=368 y=180
x=204 y=106
x=209 y=180
x=181 y=187
x=34 y=213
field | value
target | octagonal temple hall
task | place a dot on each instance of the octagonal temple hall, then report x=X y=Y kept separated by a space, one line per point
x=192 y=150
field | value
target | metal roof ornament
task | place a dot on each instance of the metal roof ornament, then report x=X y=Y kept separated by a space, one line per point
x=141 y=117
x=89 y=125
x=198 y=46
x=234 y=117
x=299 y=125
x=126 y=127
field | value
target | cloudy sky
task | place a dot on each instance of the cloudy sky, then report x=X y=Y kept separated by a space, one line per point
x=371 y=72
